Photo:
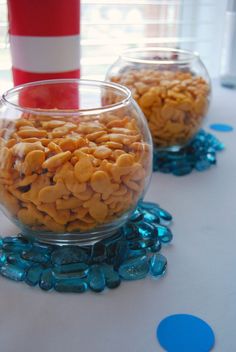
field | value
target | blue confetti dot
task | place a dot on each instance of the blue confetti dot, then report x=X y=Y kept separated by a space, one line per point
x=185 y=333
x=221 y=127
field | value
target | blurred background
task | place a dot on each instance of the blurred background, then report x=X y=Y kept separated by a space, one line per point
x=108 y=27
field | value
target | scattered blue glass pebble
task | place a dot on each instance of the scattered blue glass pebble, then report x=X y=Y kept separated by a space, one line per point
x=69 y=255
x=12 y=272
x=185 y=333
x=16 y=259
x=96 y=278
x=164 y=234
x=122 y=249
x=3 y=258
x=150 y=217
x=1 y=242
x=134 y=268
x=71 y=285
x=158 y=264
x=46 y=280
x=136 y=216
x=36 y=257
x=33 y=275
x=71 y=268
x=112 y=278
x=221 y=127
x=163 y=214
x=156 y=247
x=146 y=230
x=98 y=253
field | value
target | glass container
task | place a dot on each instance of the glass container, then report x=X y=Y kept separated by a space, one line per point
x=75 y=159
x=171 y=86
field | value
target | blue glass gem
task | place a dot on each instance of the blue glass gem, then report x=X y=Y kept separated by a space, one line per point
x=202 y=165
x=71 y=268
x=69 y=255
x=146 y=230
x=164 y=234
x=163 y=214
x=96 y=278
x=134 y=253
x=71 y=285
x=98 y=254
x=16 y=244
x=158 y=264
x=156 y=247
x=16 y=259
x=147 y=205
x=112 y=278
x=1 y=242
x=183 y=170
x=3 y=258
x=12 y=272
x=185 y=333
x=46 y=280
x=134 y=268
x=122 y=248
x=36 y=257
x=150 y=217
x=136 y=216
x=33 y=275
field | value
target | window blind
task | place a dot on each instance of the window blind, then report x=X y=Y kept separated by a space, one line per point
x=108 y=27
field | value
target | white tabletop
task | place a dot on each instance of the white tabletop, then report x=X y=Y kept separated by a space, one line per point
x=200 y=279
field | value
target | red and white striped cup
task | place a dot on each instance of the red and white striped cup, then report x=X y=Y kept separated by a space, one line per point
x=44 y=39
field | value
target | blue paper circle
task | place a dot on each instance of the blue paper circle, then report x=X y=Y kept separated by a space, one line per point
x=221 y=127
x=185 y=333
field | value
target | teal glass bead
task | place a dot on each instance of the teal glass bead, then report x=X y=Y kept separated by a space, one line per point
x=134 y=268
x=69 y=255
x=156 y=247
x=163 y=214
x=158 y=265
x=1 y=242
x=146 y=230
x=15 y=240
x=3 y=258
x=150 y=217
x=36 y=257
x=136 y=216
x=130 y=231
x=16 y=259
x=183 y=170
x=164 y=234
x=112 y=278
x=96 y=278
x=71 y=268
x=98 y=253
x=46 y=280
x=75 y=285
x=33 y=275
x=12 y=272
x=147 y=205
x=202 y=165
x=16 y=244
x=121 y=254
x=134 y=253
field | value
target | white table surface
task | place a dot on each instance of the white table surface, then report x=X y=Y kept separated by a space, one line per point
x=201 y=277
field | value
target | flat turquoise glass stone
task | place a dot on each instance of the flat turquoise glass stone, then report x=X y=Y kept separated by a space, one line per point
x=12 y=272
x=71 y=285
x=96 y=278
x=46 y=280
x=158 y=265
x=69 y=255
x=129 y=254
x=134 y=268
x=33 y=275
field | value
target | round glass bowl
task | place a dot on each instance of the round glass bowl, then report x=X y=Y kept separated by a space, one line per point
x=72 y=165
x=171 y=86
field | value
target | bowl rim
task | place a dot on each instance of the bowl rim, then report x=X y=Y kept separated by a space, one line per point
x=66 y=112
x=190 y=55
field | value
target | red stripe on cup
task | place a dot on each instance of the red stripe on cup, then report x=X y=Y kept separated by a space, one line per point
x=21 y=77
x=44 y=17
